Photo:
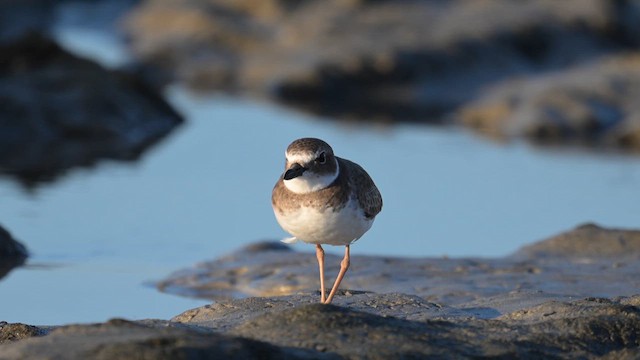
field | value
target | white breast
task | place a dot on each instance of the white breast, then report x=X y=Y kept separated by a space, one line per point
x=328 y=227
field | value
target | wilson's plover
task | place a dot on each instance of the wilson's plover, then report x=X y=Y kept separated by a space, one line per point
x=324 y=199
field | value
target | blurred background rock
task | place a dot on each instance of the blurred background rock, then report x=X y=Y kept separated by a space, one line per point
x=58 y=111
x=12 y=253
x=428 y=61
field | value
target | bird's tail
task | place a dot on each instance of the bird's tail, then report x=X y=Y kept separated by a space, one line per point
x=290 y=240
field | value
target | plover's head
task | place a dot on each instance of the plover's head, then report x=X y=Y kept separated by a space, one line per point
x=311 y=166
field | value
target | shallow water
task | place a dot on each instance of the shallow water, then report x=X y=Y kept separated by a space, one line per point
x=98 y=235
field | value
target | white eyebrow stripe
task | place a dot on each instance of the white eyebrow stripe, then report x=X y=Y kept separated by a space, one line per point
x=301 y=158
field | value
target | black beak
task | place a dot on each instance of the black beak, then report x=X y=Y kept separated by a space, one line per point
x=294 y=171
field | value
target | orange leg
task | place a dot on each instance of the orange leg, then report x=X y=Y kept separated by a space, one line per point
x=320 y=256
x=344 y=265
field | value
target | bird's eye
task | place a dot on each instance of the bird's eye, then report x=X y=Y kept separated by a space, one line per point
x=322 y=158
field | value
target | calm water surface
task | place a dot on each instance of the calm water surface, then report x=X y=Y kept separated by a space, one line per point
x=98 y=237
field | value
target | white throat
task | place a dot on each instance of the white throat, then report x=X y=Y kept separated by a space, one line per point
x=310 y=182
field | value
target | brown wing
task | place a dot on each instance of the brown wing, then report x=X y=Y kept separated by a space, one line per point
x=366 y=191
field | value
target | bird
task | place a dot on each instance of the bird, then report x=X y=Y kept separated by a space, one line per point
x=323 y=199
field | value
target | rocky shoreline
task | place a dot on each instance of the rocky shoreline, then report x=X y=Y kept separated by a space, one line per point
x=575 y=295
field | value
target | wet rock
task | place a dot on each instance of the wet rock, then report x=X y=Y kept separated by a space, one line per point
x=587 y=241
x=560 y=298
x=59 y=111
x=121 y=339
x=240 y=272
x=225 y=315
x=595 y=307
x=569 y=332
x=274 y=271
x=594 y=104
x=525 y=279
x=12 y=253
x=377 y=60
x=15 y=332
x=349 y=333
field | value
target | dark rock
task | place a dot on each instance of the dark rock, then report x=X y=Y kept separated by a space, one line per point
x=379 y=60
x=392 y=326
x=351 y=333
x=571 y=332
x=12 y=253
x=58 y=111
x=123 y=339
x=20 y=17
x=9 y=247
x=225 y=315
x=266 y=246
x=587 y=241
x=14 y=332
